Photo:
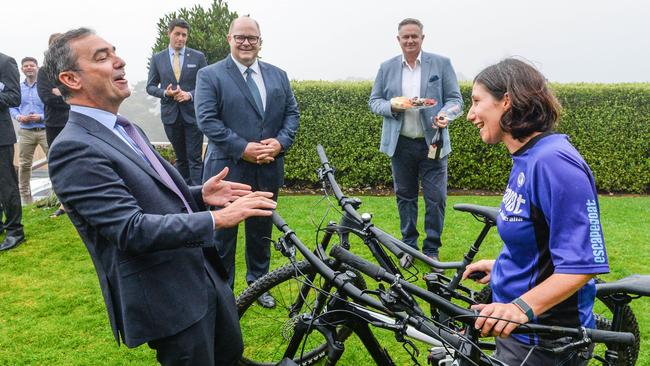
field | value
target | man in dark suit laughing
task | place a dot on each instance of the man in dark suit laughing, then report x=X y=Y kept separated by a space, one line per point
x=148 y=233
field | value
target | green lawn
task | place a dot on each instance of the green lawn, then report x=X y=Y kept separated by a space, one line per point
x=52 y=313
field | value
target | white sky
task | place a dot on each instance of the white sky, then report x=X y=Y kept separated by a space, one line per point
x=569 y=40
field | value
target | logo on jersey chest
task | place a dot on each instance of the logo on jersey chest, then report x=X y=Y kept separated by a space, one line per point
x=521 y=178
x=512 y=200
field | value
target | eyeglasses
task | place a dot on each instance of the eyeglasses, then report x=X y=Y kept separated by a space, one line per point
x=252 y=40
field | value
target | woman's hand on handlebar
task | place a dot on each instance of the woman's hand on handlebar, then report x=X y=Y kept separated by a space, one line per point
x=498 y=319
x=484 y=265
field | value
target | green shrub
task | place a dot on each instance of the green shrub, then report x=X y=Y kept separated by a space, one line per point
x=608 y=123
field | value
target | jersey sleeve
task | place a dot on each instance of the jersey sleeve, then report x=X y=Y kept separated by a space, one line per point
x=566 y=193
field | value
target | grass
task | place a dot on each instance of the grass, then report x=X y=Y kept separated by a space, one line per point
x=52 y=312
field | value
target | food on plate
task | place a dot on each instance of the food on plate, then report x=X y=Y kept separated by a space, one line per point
x=415 y=102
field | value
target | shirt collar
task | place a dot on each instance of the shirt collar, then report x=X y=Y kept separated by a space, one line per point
x=171 y=51
x=29 y=86
x=417 y=60
x=107 y=119
x=242 y=69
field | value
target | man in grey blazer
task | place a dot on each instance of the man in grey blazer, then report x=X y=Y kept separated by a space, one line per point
x=417 y=141
x=9 y=196
x=247 y=110
x=149 y=235
x=172 y=78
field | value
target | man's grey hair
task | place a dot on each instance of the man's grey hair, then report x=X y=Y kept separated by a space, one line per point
x=410 y=21
x=59 y=57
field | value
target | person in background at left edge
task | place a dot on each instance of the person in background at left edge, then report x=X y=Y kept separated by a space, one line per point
x=9 y=196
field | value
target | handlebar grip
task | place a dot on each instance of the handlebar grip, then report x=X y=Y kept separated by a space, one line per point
x=321 y=154
x=607 y=336
x=476 y=276
x=278 y=221
x=596 y=336
x=362 y=265
x=387 y=241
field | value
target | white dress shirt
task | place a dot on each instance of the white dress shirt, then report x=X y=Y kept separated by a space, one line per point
x=411 y=80
x=257 y=78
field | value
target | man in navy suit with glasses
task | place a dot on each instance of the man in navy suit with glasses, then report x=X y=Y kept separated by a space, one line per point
x=247 y=110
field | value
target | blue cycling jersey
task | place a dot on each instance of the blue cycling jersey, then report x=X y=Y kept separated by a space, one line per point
x=549 y=221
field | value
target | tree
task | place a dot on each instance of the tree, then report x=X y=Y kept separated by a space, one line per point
x=208 y=29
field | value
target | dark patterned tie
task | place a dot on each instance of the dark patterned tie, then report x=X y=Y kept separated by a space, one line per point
x=254 y=90
x=151 y=157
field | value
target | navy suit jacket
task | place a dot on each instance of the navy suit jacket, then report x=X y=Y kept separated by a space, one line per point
x=9 y=97
x=161 y=74
x=150 y=255
x=227 y=115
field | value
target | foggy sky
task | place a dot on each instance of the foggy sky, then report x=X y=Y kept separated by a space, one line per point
x=569 y=41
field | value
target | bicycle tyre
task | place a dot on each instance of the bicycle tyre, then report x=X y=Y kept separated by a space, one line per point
x=271 y=335
x=627 y=355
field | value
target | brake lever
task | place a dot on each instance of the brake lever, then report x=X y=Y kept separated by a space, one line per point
x=585 y=341
x=283 y=247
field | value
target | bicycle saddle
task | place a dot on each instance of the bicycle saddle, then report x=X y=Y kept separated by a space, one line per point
x=632 y=285
x=485 y=212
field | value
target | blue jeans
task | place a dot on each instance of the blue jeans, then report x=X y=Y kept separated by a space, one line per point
x=411 y=167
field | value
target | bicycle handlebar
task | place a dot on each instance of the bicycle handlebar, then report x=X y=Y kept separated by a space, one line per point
x=394 y=245
x=422 y=324
x=350 y=210
x=468 y=316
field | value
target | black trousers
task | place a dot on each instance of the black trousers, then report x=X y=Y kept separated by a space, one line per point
x=51 y=133
x=187 y=141
x=9 y=195
x=513 y=352
x=214 y=340
x=258 y=244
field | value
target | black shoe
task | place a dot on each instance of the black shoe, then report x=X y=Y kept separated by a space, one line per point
x=57 y=213
x=12 y=241
x=266 y=300
x=435 y=258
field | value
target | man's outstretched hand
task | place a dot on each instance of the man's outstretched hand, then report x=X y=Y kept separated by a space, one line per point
x=219 y=192
x=252 y=204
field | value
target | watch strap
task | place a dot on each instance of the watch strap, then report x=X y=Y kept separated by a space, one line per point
x=521 y=304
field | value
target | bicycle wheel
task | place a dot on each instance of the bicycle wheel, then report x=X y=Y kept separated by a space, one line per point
x=603 y=313
x=266 y=332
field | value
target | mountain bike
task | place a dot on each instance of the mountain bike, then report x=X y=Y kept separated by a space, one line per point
x=345 y=306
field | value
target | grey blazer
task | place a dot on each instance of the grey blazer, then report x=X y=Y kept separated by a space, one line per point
x=150 y=255
x=438 y=82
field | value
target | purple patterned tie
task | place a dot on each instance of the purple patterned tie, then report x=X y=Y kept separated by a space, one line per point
x=151 y=157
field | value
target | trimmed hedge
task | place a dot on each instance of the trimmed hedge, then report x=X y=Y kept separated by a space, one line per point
x=608 y=123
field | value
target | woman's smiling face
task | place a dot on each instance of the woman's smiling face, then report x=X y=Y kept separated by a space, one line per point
x=486 y=112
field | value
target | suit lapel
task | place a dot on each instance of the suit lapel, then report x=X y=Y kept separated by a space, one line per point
x=173 y=173
x=186 y=61
x=398 y=80
x=425 y=71
x=238 y=78
x=170 y=66
x=267 y=76
x=98 y=130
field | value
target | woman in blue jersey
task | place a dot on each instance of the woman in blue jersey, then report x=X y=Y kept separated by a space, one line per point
x=548 y=219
